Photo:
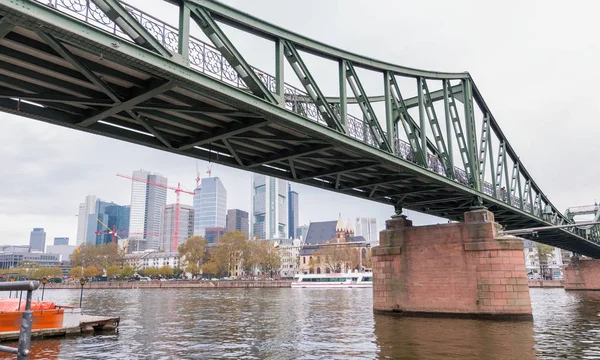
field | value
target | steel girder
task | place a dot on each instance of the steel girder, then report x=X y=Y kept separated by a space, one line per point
x=194 y=112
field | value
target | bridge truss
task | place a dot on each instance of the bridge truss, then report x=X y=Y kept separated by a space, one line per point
x=105 y=67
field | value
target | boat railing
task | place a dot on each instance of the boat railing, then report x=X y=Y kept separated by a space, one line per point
x=23 y=348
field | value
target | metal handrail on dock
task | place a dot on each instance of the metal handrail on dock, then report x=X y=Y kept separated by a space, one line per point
x=23 y=348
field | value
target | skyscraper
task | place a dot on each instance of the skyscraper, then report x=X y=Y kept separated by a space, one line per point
x=37 y=240
x=237 y=220
x=269 y=207
x=112 y=215
x=292 y=213
x=210 y=206
x=147 y=207
x=367 y=228
x=86 y=208
x=185 y=226
x=61 y=241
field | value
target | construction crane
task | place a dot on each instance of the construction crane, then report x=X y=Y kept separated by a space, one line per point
x=178 y=190
x=114 y=233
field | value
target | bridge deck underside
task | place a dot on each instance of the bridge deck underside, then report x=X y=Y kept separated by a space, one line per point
x=53 y=76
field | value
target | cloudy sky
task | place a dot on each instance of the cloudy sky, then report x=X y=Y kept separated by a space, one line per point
x=535 y=63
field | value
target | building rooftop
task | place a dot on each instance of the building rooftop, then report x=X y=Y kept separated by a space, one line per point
x=320 y=232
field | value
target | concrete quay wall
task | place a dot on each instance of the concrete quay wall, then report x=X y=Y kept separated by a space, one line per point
x=173 y=285
x=545 y=283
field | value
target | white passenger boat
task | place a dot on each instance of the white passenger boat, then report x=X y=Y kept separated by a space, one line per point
x=348 y=280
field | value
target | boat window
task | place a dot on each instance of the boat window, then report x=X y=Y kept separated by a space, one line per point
x=367 y=278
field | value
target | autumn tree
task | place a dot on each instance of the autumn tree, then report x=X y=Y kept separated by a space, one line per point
x=544 y=253
x=251 y=256
x=126 y=272
x=332 y=257
x=101 y=256
x=76 y=272
x=210 y=268
x=193 y=254
x=313 y=263
x=112 y=271
x=229 y=252
x=92 y=271
x=268 y=260
x=165 y=271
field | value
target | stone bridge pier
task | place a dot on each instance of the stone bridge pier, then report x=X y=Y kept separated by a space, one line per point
x=450 y=270
x=582 y=274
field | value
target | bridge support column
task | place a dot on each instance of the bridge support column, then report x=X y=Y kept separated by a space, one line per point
x=582 y=274
x=454 y=269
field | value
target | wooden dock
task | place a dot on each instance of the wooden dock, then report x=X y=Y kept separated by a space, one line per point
x=87 y=324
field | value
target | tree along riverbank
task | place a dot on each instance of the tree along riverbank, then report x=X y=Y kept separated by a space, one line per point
x=172 y=284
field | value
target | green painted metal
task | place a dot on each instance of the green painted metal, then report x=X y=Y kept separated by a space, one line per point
x=391 y=128
x=6 y=26
x=506 y=180
x=368 y=113
x=500 y=169
x=343 y=99
x=130 y=26
x=214 y=33
x=442 y=151
x=472 y=170
x=165 y=68
x=448 y=117
x=458 y=131
x=279 y=71
x=483 y=146
x=422 y=122
x=409 y=125
x=520 y=188
x=183 y=38
x=311 y=87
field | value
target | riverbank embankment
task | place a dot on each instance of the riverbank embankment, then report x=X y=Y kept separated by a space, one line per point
x=172 y=284
x=545 y=283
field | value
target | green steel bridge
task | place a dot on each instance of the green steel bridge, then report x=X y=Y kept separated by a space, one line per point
x=423 y=140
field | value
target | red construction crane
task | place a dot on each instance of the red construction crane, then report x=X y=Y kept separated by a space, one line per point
x=178 y=190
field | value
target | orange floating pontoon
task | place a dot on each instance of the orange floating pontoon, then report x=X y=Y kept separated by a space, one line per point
x=46 y=315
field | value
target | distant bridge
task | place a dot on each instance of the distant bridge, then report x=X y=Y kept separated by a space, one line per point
x=104 y=67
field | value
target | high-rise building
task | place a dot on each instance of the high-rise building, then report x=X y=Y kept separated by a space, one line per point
x=185 y=226
x=292 y=213
x=237 y=220
x=302 y=231
x=37 y=240
x=147 y=207
x=210 y=206
x=213 y=235
x=61 y=241
x=86 y=208
x=269 y=207
x=112 y=215
x=367 y=228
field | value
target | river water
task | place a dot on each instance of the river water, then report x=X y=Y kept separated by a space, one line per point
x=316 y=324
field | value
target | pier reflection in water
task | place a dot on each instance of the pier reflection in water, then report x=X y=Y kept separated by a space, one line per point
x=316 y=324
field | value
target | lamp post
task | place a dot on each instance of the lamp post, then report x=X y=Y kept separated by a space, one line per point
x=82 y=282
x=44 y=281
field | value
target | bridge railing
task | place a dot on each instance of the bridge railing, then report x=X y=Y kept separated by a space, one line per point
x=207 y=59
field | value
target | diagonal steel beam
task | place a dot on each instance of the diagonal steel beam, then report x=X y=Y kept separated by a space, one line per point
x=437 y=201
x=293 y=169
x=311 y=87
x=155 y=89
x=233 y=152
x=6 y=26
x=224 y=133
x=284 y=139
x=67 y=55
x=367 y=109
x=67 y=99
x=150 y=128
x=291 y=154
x=130 y=26
x=214 y=33
x=337 y=170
